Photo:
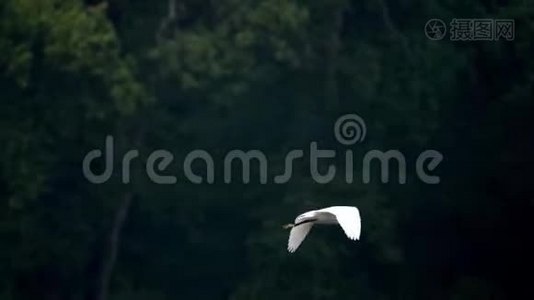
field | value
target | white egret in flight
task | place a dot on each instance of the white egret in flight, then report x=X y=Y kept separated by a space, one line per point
x=348 y=217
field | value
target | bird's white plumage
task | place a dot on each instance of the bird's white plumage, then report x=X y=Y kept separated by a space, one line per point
x=297 y=235
x=348 y=217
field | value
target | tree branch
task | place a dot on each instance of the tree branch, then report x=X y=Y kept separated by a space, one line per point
x=332 y=53
x=386 y=17
x=113 y=246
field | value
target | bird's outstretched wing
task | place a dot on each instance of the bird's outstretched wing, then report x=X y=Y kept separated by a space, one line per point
x=297 y=235
x=348 y=218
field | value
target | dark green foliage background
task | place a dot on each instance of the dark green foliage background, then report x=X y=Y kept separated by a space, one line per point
x=271 y=75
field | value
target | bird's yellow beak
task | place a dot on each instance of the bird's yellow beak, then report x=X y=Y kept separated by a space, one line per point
x=287 y=226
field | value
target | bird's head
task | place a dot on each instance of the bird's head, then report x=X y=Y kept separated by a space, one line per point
x=288 y=226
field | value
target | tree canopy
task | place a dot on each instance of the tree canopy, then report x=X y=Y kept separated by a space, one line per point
x=269 y=75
